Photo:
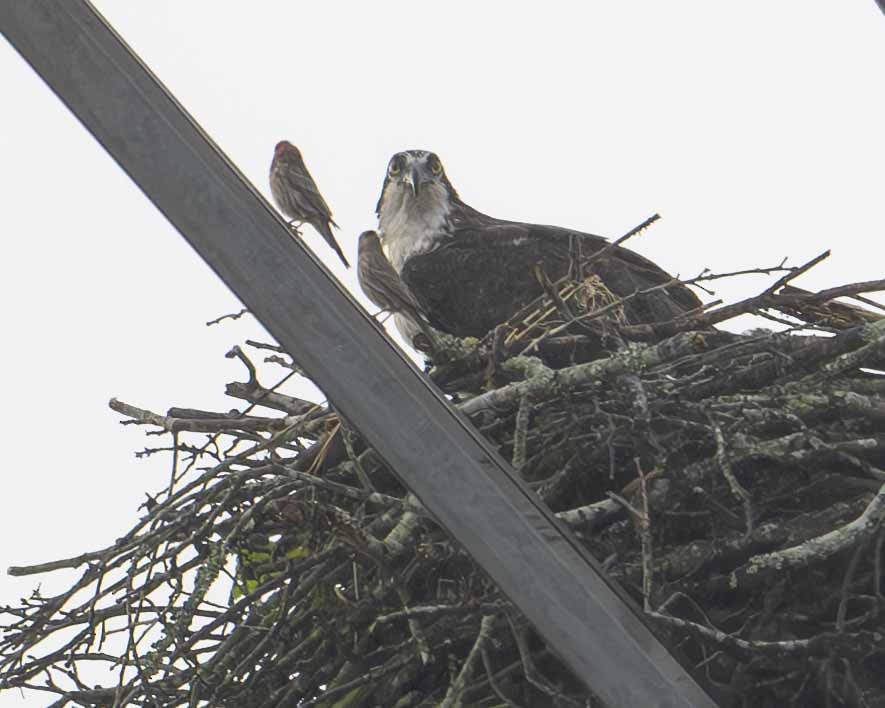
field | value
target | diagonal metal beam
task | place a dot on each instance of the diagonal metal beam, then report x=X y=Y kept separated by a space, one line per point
x=436 y=452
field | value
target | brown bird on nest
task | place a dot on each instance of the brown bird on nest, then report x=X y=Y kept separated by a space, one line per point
x=381 y=284
x=297 y=195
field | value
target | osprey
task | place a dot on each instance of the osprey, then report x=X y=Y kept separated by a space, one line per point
x=471 y=272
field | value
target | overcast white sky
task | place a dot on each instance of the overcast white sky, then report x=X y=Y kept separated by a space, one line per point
x=755 y=129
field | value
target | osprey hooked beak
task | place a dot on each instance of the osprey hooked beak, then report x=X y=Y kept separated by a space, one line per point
x=414 y=177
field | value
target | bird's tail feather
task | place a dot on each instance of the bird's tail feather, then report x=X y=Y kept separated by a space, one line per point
x=326 y=232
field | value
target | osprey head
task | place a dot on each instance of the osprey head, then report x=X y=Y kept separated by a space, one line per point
x=411 y=172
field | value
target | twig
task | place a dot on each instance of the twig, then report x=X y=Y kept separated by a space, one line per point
x=846 y=586
x=490 y=675
x=707 y=275
x=736 y=488
x=233 y=316
x=532 y=675
x=796 y=272
x=821 y=645
x=609 y=247
x=457 y=686
x=643 y=522
x=815 y=550
x=250 y=367
x=520 y=433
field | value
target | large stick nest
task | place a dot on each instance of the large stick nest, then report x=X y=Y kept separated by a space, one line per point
x=732 y=483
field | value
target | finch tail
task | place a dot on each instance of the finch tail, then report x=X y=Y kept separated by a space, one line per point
x=326 y=232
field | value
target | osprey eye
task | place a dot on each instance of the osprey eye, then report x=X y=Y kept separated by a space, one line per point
x=394 y=168
x=436 y=167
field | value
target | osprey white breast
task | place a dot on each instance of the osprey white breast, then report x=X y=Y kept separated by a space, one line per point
x=412 y=224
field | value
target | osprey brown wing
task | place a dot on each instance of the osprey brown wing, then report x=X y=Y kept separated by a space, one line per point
x=482 y=276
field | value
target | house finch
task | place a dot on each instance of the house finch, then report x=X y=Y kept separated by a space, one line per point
x=381 y=284
x=297 y=196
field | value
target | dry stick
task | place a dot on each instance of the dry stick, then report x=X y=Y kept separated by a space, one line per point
x=223 y=424
x=850 y=290
x=264 y=345
x=520 y=433
x=852 y=360
x=373 y=674
x=619 y=363
x=360 y=472
x=282 y=361
x=132 y=643
x=792 y=275
x=736 y=488
x=424 y=651
x=252 y=658
x=232 y=316
x=432 y=611
x=727 y=312
x=707 y=275
x=318 y=564
x=575 y=240
x=73 y=562
x=594 y=314
x=82 y=613
x=591 y=516
x=821 y=645
x=846 y=586
x=792 y=325
x=247 y=362
x=324 y=449
x=530 y=671
x=453 y=695
x=293 y=365
x=825 y=302
x=266 y=398
x=609 y=247
x=535 y=318
x=530 y=307
x=867 y=301
x=297 y=405
x=877 y=558
x=643 y=522
x=550 y=290
x=819 y=549
x=490 y=676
